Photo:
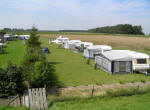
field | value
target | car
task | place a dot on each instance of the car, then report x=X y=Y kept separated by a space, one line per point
x=45 y=50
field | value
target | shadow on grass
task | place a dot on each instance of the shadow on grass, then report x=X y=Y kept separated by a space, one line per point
x=54 y=63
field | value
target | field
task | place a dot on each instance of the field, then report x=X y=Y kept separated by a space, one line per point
x=71 y=68
x=116 y=41
x=135 y=102
x=14 y=52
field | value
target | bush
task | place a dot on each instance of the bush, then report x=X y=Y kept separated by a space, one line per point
x=43 y=75
x=12 y=81
x=133 y=81
x=121 y=82
x=143 y=80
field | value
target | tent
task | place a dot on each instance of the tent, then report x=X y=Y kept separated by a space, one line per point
x=24 y=37
x=83 y=45
x=7 y=37
x=61 y=40
x=1 y=47
x=140 y=61
x=72 y=44
x=114 y=62
x=92 y=51
x=87 y=44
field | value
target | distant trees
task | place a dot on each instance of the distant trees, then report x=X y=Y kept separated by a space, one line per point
x=119 y=29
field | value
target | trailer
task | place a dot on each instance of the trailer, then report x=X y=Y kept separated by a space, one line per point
x=115 y=62
x=92 y=51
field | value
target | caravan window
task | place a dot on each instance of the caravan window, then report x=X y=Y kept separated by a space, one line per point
x=141 y=61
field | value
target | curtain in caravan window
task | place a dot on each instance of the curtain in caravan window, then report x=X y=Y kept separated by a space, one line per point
x=116 y=66
x=128 y=66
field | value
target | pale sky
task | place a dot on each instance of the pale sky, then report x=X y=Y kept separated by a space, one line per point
x=73 y=14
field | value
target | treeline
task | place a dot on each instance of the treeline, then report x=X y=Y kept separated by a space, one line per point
x=17 y=30
x=119 y=29
x=73 y=31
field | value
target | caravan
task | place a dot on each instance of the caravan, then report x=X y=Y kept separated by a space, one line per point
x=92 y=51
x=72 y=44
x=115 y=62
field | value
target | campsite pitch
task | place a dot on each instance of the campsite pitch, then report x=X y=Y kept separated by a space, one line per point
x=72 y=70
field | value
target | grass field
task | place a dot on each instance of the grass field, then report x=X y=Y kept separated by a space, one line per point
x=116 y=41
x=72 y=70
x=14 y=52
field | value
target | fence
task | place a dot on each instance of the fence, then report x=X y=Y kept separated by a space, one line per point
x=33 y=99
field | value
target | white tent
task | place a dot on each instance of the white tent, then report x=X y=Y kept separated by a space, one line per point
x=140 y=61
x=1 y=46
x=87 y=44
x=61 y=40
x=24 y=37
x=72 y=44
x=92 y=51
x=115 y=61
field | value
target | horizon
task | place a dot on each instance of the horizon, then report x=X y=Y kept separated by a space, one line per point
x=74 y=14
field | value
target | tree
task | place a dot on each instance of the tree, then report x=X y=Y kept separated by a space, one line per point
x=12 y=81
x=119 y=29
x=37 y=70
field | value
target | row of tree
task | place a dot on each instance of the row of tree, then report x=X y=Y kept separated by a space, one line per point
x=34 y=72
x=119 y=29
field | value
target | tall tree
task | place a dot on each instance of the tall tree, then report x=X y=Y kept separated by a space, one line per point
x=37 y=70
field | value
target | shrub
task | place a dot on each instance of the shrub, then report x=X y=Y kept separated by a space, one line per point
x=12 y=81
x=43 y=75
x=133 y=81
x=143 y=80
x=121 y=82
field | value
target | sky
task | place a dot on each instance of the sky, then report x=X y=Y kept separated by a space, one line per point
x=73 y=14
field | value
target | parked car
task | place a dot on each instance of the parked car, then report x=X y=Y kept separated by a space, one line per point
x=45 y=50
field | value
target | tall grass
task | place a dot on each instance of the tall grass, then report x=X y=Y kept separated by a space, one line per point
x=117 y=41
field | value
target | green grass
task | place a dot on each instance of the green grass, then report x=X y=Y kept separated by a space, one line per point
x=72 y=70
x=135 y=102
x=14 y=52
x=12 y=108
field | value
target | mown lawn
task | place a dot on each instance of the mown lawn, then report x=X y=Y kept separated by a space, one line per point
x=14 y=52
x=72 y=70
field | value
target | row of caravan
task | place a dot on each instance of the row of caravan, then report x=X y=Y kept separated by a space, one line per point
x=111 y=61
x=8 y=37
